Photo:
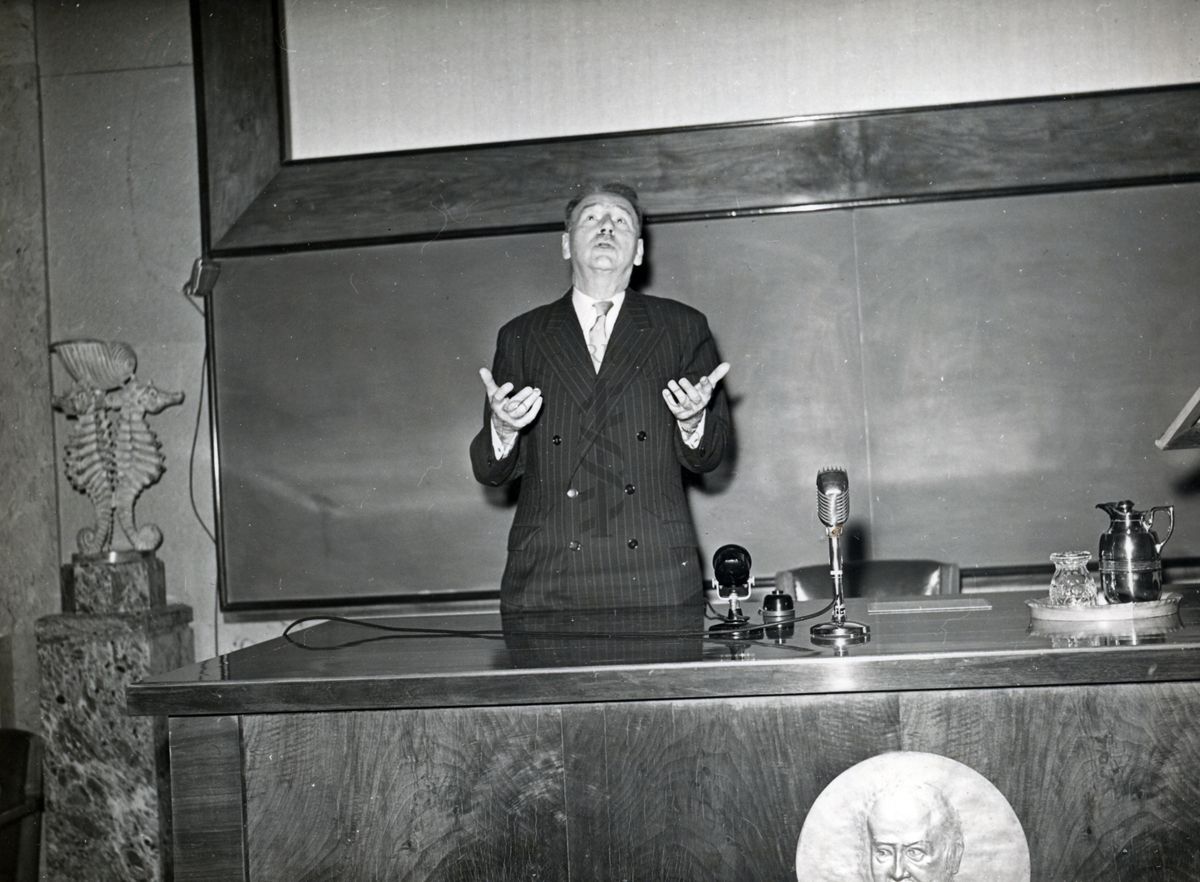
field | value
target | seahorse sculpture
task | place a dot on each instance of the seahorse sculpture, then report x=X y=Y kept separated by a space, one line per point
x=88 y=461
x=111 y=455
x=138 y=455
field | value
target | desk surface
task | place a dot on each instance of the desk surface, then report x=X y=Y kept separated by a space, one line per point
x=482 y=659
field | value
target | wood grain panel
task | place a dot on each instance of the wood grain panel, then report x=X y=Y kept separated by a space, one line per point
x=252 y=202
x=734 y=170
x=682 y=791
x=523 y=187
x=238 y=106
x=1048 y=143
x=206 y=798
x=1103 y=778
x=437 y=795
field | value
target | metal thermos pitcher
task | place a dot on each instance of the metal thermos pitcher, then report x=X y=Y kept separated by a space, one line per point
x=1130 y=565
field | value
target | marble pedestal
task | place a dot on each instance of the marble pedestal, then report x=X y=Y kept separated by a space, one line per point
x=107 y=807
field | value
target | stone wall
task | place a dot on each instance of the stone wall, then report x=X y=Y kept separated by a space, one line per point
x=28 y=516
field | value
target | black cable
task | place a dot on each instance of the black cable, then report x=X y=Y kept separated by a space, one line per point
x=196 y=428
x=394 y=632
x=791 y=618
x=195 y=442
x=187 y=296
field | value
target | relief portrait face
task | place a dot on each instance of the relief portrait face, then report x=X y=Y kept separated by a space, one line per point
x=912 y=816
x=913 y=836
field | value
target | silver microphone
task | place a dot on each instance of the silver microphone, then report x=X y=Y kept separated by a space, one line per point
x=833 y=497
x=833 y=509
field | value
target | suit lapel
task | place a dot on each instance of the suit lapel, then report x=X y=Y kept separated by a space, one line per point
x=566 y=352
x=633 y=337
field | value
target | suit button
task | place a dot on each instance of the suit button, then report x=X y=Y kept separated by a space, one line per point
x=641 y=436
x=574 y=546
x=630 y=489
x=632 y=543
x=557 y=439
x=572 y=493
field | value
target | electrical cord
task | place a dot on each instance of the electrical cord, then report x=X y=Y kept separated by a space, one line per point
x=395 y=632
x=189 y=294
x=195 y=441
x=791 y=618
x=196 y=427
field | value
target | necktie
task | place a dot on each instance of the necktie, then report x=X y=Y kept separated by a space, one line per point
x=597 y=339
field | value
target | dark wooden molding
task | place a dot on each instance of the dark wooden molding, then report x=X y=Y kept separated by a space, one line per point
x=239 y=107
x=207 y=798
x=255 y=201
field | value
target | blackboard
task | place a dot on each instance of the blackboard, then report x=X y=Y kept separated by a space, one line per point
x=987 y=371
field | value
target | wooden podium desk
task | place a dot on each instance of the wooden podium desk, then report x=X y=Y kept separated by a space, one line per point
x=633 y=747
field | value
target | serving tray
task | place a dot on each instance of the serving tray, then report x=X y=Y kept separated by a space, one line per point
x=1041 y=608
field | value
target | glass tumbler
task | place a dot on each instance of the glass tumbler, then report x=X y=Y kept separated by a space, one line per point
x=1072 y=584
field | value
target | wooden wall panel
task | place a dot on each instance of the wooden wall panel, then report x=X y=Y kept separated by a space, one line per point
x=441 y=794
x=1103 y=778
x=238 y=107
x=683 y=791
x=206 y=799
x=253 y=201
x=732 y=170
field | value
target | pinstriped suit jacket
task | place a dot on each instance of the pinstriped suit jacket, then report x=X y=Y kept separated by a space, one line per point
x=602 y=518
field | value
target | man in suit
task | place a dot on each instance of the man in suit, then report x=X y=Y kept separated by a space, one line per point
x=597 y=402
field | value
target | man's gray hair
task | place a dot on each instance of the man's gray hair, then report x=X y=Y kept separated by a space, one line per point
x=614 y=188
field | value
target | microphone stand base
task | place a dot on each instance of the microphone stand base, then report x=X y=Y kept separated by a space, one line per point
x=840 y=634
x=736 y=629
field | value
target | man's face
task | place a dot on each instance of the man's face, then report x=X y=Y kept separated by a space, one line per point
x=909 y=842
x=604 y=235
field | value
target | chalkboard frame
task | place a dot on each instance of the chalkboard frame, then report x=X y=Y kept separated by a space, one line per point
x=255 y=200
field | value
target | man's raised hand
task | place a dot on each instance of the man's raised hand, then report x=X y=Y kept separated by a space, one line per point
x=686 y=400
x=510 y=413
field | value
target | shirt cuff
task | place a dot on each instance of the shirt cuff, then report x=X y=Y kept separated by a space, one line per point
x=503 y=449
x=691 y=439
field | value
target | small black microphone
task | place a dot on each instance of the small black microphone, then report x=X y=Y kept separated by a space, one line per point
x=731 y=574
x=731 y=568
